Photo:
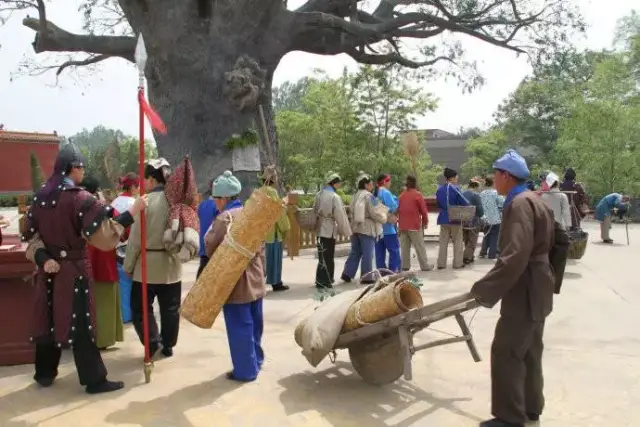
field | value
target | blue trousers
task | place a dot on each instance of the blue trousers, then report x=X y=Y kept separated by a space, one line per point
x=490 y=242
x=244 y=332
x=389 y=243
x=362 y=248
x=273 y=258
x=125 y=294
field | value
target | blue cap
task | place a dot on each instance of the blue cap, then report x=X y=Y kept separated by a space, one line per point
x=513 y=163
x=226 y=185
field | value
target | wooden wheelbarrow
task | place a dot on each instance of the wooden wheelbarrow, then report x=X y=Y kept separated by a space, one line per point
x=381 y=352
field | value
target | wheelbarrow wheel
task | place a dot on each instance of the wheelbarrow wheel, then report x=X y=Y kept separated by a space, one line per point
x=378 y=360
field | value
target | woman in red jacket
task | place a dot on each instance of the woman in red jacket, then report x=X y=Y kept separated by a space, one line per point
x=413 y=218
x=106 y=290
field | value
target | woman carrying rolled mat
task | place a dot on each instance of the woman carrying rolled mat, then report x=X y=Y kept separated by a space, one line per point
x=243 y=309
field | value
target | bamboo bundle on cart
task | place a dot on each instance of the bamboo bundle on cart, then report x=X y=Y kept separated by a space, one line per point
x=242 y=242
x=387 y=299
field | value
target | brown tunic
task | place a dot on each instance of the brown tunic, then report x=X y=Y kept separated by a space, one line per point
x=251 y=286
x=61 y=225
x=522 y=276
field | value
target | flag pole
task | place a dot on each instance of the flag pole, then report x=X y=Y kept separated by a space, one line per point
x=141 y=59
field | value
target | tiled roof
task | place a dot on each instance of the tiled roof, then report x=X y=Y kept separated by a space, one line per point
x=28 y=137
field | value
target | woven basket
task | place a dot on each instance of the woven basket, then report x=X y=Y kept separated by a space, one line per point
x=461 y=214
x=395 y=298
x=248 y=230
x=306 y=219
x=577 y=244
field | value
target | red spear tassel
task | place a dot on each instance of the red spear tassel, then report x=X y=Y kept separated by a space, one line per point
x=143 y=246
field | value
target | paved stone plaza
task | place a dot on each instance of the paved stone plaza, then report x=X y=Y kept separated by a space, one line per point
x=592 y=365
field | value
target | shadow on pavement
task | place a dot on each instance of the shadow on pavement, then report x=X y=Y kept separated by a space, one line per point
x=343 y=398
x=170 y=410
x=66 y=389
x=303 y=291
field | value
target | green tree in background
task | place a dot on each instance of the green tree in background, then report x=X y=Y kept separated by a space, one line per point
x=36 y=172
x=352 y=124
x=110 y=153
x=601 y=135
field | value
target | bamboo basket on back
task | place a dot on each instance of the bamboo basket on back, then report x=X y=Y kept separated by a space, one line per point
x=245 y=236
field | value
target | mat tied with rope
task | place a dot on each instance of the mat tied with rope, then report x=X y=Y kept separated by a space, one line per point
x=244 y=235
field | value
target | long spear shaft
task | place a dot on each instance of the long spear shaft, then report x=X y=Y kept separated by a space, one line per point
x=148 y=365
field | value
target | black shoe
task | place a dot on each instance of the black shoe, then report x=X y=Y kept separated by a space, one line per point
x=496 y=422
x=45 y=382
x=459 y=268
x=441 y=268
x=608 y=241
x=230 y=376
x=167 y=351
x=533 y=416
x=345 y=278
x=279 y=287
x=105 y=386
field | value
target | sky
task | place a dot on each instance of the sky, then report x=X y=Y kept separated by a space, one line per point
x=108 y=96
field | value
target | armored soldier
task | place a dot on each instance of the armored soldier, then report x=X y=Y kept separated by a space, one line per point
x=60 y=222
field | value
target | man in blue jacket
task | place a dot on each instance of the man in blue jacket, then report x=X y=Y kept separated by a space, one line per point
x=389 y=241
x=449 y=195
x=603 y=213
x=207 y=212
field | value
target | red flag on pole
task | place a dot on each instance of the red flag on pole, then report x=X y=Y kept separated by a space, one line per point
x=152 y=115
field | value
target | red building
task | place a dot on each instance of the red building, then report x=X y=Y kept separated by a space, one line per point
x=15 y=158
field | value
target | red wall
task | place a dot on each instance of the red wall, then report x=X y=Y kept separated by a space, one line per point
x=15 y=164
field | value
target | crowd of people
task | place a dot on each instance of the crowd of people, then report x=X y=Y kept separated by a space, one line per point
x=88 y=254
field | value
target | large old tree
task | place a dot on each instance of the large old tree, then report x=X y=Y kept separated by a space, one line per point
x=193 y=45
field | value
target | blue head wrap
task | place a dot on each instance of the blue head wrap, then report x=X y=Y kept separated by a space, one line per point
x=513 y=163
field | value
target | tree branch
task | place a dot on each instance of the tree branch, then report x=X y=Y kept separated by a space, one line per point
x=328 y=27
x=79 y=63
x=55 y=39
x=393 y=58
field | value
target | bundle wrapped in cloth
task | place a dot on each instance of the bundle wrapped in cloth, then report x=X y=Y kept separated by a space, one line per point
x=248 y=231
x=182 y=233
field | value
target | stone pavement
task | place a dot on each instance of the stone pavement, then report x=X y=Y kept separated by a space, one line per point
x=592 y=365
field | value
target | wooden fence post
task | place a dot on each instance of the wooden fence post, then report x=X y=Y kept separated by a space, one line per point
x=293 y=238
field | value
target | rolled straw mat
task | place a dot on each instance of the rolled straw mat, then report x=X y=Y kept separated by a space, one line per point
x=247 y=233
x=396 y=298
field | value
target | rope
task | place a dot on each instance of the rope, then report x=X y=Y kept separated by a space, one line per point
x=235 y=245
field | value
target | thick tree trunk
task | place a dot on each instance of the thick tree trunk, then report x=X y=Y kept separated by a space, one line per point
x=200 y=120
x=186 y=78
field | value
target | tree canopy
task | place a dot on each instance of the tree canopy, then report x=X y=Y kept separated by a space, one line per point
x=580 y=109
x=352 y=124
x=211 y=63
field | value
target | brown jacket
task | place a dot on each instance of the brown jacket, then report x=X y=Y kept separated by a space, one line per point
x=251 y=286
x=522 y=276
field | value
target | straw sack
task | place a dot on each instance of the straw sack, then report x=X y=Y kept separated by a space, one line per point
x=395 y=298
x=243 y=240
x=318 y=333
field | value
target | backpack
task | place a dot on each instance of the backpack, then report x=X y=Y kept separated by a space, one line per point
x=558 y=254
